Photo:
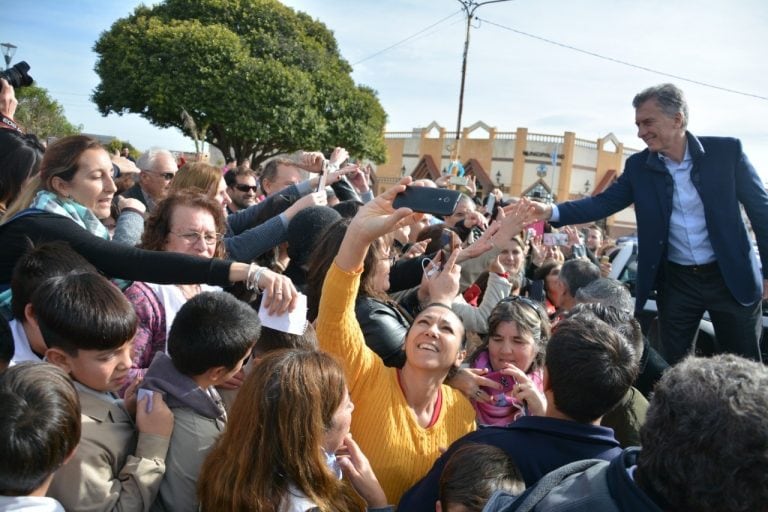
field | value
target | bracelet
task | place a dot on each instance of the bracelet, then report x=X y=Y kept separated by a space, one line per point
x=252 y=279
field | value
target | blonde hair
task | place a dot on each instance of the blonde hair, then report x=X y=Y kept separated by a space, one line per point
x=199 y=175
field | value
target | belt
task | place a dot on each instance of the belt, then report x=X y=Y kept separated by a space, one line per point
x=696 y=269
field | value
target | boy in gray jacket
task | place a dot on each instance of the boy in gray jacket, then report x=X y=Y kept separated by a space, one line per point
x=210 y=339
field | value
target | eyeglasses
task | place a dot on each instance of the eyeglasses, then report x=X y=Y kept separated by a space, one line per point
x=525 y=300
x=246 y=188
x=192 y=237
x=167 y=176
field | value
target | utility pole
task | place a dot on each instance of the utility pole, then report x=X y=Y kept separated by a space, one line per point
x=469 y=6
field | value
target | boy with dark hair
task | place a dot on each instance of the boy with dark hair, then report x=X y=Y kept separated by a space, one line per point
x=211 y=336
x=88 y=325
x=37 y=265
x=703 y=449
x=588 y=369
x=39 y=431
x=472 y=474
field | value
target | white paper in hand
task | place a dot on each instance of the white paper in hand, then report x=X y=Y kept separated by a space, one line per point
x=292 y=322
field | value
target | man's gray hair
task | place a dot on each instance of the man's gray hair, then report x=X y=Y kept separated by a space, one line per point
x=578 y=273
x=669 y=97
x=146 y=161
x=609 y=292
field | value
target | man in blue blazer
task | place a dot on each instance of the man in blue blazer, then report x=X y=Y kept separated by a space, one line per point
x=693 y=245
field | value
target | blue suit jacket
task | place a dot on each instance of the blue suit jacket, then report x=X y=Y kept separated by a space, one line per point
x=724 y=178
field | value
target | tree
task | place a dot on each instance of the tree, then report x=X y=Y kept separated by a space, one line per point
x=117 y=145
x=40 y=114
x=254 y=76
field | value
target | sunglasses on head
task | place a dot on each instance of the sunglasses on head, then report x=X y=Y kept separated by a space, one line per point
x=246 y=188
x=524 y=300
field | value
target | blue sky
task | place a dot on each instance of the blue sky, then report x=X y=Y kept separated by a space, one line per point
x=513 y=79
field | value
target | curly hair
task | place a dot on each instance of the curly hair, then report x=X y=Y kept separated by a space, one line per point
x=705 y=438
x=159 y=223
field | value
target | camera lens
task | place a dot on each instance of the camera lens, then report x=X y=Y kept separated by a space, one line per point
x=17 y=75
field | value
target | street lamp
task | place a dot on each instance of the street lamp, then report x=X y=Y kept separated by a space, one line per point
x=498 y=178
x=402 y=171
x=586 y=187
x=9 y=50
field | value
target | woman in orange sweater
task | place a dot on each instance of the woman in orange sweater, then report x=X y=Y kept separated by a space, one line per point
x=402 y=417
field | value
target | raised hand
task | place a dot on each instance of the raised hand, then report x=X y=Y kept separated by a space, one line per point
x=338 y=156
x=311 y=161
x=444 y=286
x=526 y=391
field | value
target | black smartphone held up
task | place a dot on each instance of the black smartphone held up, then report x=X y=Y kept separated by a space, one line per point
x=437 y=201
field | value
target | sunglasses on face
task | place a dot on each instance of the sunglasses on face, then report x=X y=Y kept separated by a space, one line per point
x=246 y=188
x=167 y=176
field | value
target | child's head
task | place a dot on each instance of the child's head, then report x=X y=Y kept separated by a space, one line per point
x=472 y=474
x=39 y=426
x=213 y=333
x=518 y=330
x=88 y=326
x=38 y=264
x=272 y=339
x=589 y=367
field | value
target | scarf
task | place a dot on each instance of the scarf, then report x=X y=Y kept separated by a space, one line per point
x=50 y=202
x=505 y=408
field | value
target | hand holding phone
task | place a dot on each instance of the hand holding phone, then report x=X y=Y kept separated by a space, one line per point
x=436 y=201
x=507 y=382
x=555 y=239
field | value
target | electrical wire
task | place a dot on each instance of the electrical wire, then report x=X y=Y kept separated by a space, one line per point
x=407 y=38
x=622 y=62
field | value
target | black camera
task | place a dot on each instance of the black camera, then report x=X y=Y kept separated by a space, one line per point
x=17 y=75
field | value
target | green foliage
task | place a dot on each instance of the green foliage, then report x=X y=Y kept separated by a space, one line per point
x=254 y=75
x=40 y=114
x=117 y=145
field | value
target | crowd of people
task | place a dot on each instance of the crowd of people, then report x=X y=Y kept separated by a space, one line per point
x=451 y=364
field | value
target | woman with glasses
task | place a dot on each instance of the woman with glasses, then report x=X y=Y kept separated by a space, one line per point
x=67 y=200
x=513 y=355
x=251 y=232
x=186 y=223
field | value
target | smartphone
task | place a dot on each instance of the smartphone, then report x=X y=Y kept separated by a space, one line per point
x=321 y=180
x=490 y=203
x=507 y=381
x=437 y=201
x=459 y=180
x=555 y=239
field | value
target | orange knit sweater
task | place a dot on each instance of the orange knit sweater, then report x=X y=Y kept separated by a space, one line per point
x=399 y=449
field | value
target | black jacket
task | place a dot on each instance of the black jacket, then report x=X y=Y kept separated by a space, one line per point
x=384 y=327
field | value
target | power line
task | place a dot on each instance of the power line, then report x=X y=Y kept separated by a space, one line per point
x=624 y=63
x=407 y=38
